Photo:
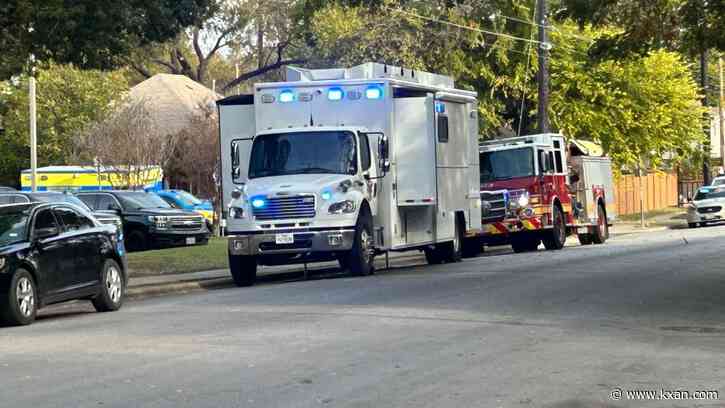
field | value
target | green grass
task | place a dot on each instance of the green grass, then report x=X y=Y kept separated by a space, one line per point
x=180 y=260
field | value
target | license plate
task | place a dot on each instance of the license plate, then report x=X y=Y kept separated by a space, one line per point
x=190 y=241
x=284 y=239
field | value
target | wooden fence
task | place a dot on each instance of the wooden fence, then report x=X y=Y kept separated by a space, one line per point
x=660 y=191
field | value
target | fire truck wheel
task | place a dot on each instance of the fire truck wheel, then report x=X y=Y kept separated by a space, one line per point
x=453 y=251
x=555 y=238
x=601 y=231
x=244 y=269
x=585 y=239
x=524 y=244
x=361 y=258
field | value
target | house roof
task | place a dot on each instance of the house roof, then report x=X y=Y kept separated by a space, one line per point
x=172 y=99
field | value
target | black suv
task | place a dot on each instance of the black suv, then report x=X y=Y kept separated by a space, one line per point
x=51 y=253
x=148 y=221
x=22 y=197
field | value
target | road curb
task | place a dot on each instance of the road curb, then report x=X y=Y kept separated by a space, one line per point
x=182 y=285
x=178 y=287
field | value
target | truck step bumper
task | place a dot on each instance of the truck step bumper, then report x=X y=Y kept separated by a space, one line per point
x=302 y=242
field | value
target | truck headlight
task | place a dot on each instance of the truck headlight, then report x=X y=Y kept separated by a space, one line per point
x=236 y=213
x=342 y=207
x=523 y=200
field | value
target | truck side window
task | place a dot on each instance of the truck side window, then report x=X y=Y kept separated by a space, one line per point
x=558 y=162
x=442 y=129
x=364 y=152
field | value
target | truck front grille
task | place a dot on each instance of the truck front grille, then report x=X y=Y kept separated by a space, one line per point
x=186 y=223
x=493 y=205
x=708 y=210
x=290 y=207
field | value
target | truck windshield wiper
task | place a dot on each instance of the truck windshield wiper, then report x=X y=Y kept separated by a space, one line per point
x=315 y=170
x=503 y=178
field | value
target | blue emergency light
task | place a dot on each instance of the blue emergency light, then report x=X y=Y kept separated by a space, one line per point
x=374 y=92
x=286 y=96
x=440 y=107
x=326 y=195
x=258 y=203
x=335 y=94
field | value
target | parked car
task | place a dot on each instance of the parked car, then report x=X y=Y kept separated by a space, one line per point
x=707 y=206
x=51 y=253
x=20 y=197
x=148 y=221
x=187 y=201
x=718 y=181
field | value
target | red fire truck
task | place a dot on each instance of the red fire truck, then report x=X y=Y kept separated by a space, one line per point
x=537 y=189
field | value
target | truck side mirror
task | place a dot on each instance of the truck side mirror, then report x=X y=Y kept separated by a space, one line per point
x=544 y=167
x=574 y=178
x=384 y=154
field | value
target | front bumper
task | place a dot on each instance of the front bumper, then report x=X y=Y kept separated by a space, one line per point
x=169 y=239
x=305 y=241
x=513 y=225
x=694 y=217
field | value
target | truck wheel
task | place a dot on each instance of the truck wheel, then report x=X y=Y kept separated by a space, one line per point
x=601 y=231
x=472 y=247
x=524 y=244
x=585 y=239
x=20 y=304
x=691 y=225
x=136 y=241
x=243 y=269
x=361 y=258
x=433 y=256
x=452 y=251
x=556 y=237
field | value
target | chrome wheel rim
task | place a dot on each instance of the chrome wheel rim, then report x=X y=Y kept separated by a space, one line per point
x=113 y=284
x=366 y=245
x=25 y=296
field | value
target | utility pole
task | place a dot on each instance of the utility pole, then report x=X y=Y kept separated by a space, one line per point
x=33 y=138
x=543 y=75
x=706 y=144
x=720 y=103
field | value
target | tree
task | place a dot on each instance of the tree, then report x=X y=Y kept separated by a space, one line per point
x=88 y=33
x=68 y=99
x=640 y=109
x=196 y=156
x=256 y=32
x=127 y=142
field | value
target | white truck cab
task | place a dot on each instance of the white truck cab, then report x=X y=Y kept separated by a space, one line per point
x=346 y=164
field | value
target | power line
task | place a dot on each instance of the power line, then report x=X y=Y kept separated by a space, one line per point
x=528 y=63
x=444 y=22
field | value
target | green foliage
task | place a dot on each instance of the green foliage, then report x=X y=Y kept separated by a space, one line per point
x=88 y=33
x=68 y=99
x=640 y=109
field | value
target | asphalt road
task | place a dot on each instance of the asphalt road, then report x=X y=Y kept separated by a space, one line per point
x=549 y=329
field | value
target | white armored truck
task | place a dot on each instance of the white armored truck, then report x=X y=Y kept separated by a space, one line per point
x=345 y=164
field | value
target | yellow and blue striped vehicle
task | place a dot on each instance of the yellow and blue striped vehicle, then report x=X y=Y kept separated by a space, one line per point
x=85 y=178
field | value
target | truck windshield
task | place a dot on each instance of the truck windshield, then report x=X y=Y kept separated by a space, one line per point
x=507 y=164
x=330 y=152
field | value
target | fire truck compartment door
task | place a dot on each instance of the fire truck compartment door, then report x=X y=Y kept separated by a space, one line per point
x=414 y=151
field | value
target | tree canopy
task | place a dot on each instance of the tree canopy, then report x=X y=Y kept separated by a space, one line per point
x=88 y=33
x=68 y=99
